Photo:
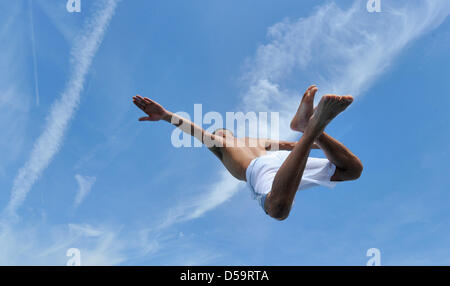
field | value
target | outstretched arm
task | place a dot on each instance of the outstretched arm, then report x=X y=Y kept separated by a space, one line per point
x=156 y=112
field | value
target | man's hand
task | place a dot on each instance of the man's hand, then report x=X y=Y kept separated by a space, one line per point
x=156 y=112
x=153 y=109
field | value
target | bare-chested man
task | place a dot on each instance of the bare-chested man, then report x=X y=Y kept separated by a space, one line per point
x=275 y=177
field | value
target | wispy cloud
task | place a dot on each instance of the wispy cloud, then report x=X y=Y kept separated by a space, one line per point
x=62 y=111
x=160 y=248
x=42 y=245
x=33 y=48
x=84 y=187
x=37 y=243
x=343 y=51
x=197 y=206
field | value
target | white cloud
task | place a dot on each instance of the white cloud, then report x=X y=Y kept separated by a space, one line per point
x=41 y=245
x=84 y=187
x=195 y=207
x=158 y=247
x=343 y=51
x=62 y=111
x=102 y=244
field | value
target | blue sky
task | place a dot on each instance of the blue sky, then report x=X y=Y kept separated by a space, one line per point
x=78 y=170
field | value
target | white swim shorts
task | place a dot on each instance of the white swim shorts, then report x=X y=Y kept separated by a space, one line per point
x=262 y=170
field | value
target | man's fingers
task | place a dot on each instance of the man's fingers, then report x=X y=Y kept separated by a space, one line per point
x=148 y=100
x=145 y=100
x=138 y=104
x=135 y=101
x=146 y=118
x=140 y=100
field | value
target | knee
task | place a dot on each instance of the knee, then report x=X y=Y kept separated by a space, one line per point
x=357 y=169
x=278 y=211
x=353 y=171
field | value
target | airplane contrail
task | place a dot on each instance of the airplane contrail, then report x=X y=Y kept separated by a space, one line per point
x=62 y=111
x=33 y=47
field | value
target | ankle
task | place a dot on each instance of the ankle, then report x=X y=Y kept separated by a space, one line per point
x=315 y=130
x=320 y=138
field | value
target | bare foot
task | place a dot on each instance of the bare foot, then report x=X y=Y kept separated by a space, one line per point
x=329 y=107
x=305 y=110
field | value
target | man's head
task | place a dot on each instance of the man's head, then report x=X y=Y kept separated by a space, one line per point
x=222 y=132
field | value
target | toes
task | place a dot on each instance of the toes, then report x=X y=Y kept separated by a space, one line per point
x=330 y=98
x=309 y=89
x=309 y=94
x=348 y=98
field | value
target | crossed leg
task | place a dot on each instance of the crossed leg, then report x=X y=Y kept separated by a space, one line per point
x=348 y=166
x=287 y=180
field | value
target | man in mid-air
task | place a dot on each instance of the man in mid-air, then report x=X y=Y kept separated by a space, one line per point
x=275 y=177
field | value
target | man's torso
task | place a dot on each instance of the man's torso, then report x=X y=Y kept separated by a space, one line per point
x=237 y=155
